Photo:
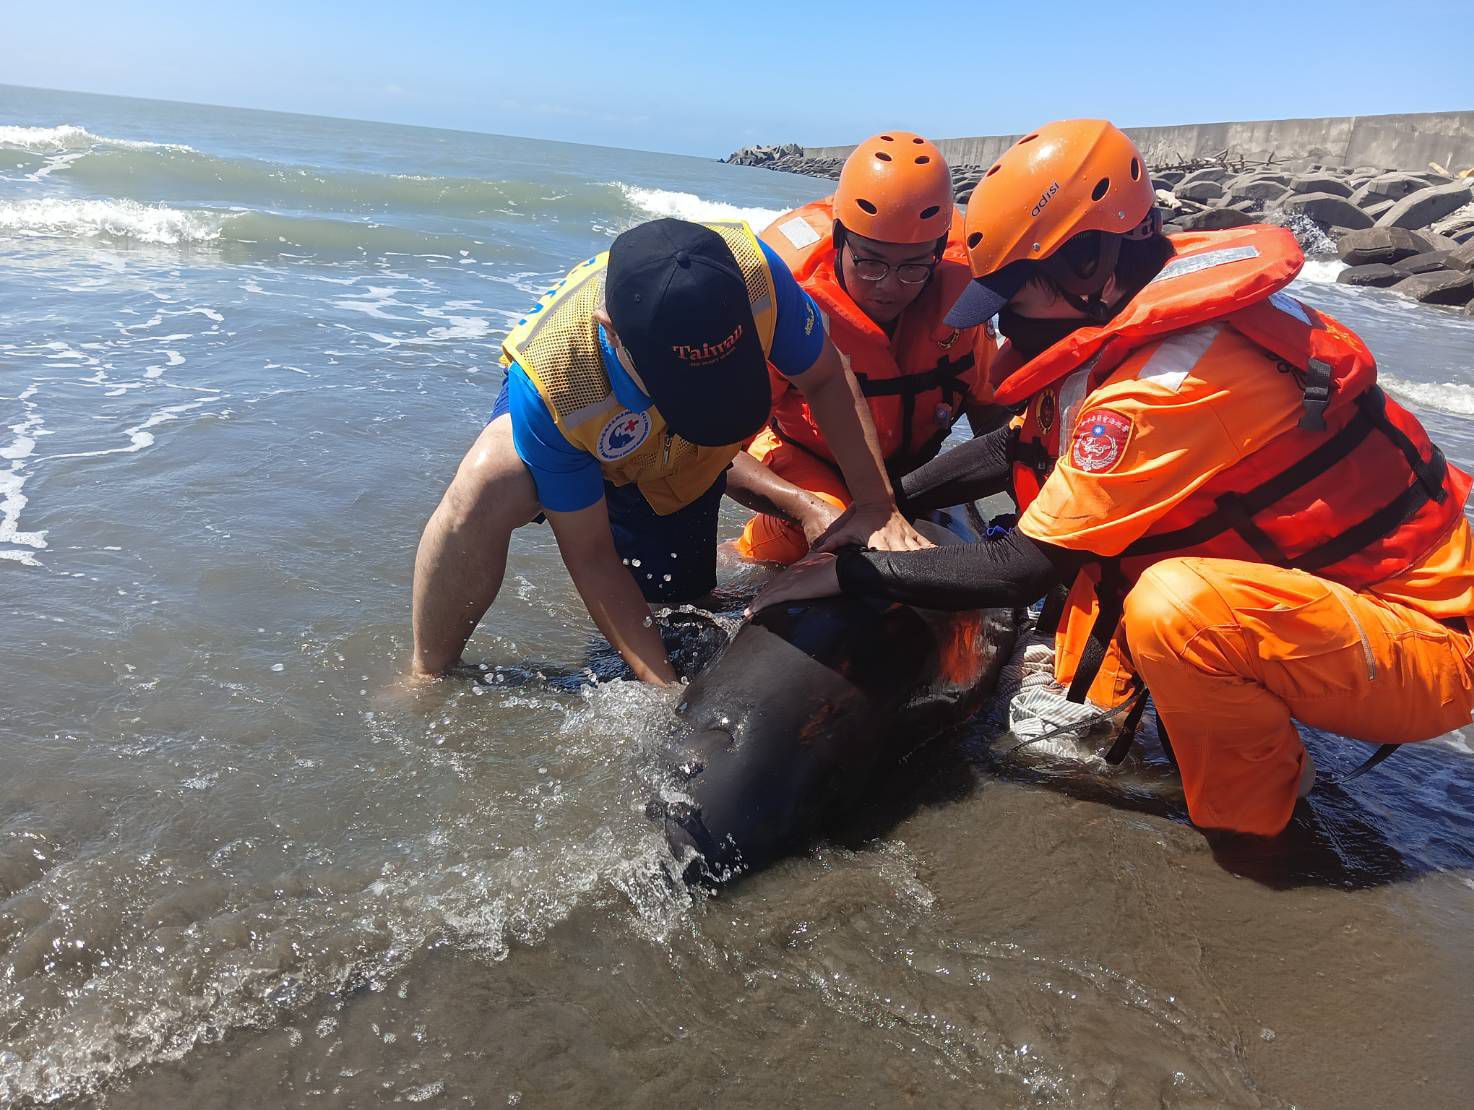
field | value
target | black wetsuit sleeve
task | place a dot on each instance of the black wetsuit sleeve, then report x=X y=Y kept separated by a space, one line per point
x=975 y=469
x=995 y=573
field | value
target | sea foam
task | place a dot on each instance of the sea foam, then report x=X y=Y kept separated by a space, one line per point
x=68 y=136
x=689 y=206
x=116 y=219
x=1456 y=398
x=1322 y=270
x=12 y=500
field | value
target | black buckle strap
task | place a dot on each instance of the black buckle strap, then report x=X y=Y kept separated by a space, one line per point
x=1376 y=757
x=1054 y=608
x=945 y=376
x=1431 y=471
x=1235 y=510
x=1274 y=489
x=1317 y=396
x=1126 y=735
x=1381 y=523
x=1032 y=454
x=1110 y=596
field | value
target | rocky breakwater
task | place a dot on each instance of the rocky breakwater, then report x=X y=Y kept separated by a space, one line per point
x=1412 y=233
x=791 y=158
x=786 y=158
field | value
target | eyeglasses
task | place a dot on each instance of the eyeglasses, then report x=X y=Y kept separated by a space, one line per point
x=875 y=269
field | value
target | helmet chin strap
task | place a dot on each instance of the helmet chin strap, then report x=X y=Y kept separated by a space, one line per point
x=1092 y=306
x=1091 y=302
x=1149 y=227
x=1081 y=281
x=1085 y=263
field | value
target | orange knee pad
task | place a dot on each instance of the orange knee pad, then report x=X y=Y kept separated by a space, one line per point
x=771 y=539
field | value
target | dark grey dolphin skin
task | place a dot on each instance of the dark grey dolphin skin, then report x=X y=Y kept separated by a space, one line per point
x=808 y=704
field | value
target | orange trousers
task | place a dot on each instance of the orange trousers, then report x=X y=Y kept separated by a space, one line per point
x=1232 y=651
x=771 y=539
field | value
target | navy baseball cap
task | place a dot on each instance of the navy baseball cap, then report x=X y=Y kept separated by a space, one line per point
x=985 y=296
x=679 y=304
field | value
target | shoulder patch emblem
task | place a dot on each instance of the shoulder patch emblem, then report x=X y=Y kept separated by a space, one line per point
x=624 y=432
x=1100 y=440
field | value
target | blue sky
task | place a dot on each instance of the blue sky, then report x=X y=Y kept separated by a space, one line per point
x=705 y=79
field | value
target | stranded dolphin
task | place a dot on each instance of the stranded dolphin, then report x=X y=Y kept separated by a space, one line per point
x=808 y=704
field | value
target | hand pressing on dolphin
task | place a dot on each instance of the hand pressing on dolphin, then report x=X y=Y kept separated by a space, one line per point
x=835 y=398
x=879 y=526
x=814 y=576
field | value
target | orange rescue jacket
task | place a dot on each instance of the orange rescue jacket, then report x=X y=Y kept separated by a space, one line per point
x=916 y=381
x=1355 y=492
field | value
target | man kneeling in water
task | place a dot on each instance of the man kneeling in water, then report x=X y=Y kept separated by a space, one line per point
x=882 y=261
x=630 y=387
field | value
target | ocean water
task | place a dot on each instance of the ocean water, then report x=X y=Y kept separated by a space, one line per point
x=240 y=356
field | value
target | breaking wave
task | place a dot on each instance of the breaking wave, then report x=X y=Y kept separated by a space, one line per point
x=1456 y=398
x=145 y=172
x=689 y=206
x=1322 y=270
x=69 y=136
x=112 y=219
x=127 y=223
x=141 y=173
x=261 y=184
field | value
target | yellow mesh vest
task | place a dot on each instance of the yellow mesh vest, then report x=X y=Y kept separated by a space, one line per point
x=557 y=346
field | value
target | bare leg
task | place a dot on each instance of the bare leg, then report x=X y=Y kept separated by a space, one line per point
x=463 y=552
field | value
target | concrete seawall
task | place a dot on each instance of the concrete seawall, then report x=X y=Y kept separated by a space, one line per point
x=1407 y=142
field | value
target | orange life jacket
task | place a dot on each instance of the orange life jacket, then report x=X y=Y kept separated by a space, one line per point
x=1356 y=493
x=916 y=381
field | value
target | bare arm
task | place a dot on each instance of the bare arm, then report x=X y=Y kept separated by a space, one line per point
x=608 y=591
x=843 y=417
x=756 y=486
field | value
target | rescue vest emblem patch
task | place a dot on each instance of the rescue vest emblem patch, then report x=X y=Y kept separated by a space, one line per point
x=624 y=432
x=1100 y=440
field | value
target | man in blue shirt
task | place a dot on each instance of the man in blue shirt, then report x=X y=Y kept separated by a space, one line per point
x=630 y=388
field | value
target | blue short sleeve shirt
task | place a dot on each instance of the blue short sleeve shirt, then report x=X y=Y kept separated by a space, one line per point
x=567 y=477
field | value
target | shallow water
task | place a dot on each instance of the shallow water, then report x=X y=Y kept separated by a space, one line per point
x=239 y=868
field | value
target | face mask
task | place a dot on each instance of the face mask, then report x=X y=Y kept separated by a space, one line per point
x=1031 y=336
x=1139 y=261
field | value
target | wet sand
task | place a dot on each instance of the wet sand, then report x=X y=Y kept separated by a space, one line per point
x=1014 y=946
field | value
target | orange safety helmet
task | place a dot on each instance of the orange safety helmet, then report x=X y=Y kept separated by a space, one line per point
x=1059 y=182
x=895 y=188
